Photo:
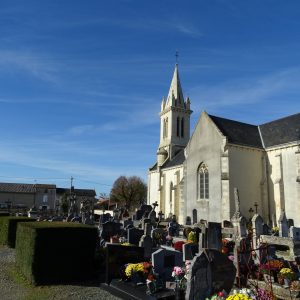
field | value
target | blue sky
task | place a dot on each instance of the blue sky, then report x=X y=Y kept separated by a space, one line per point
x=81 y=81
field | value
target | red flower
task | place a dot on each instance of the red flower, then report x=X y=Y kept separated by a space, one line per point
x=178 y=245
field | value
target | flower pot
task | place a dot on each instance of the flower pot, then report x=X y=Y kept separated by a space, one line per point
x=286 y=283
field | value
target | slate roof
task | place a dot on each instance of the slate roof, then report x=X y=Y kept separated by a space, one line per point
x=273 y=133
x=177 y=160
x=238 y=133
x=78 y=192
x=281 y=131
x=22 y=187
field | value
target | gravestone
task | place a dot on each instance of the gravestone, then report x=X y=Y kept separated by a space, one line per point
x=283 y=225
x=214 y=236
x=117 y=256
x=295 y=233
x=173 y=229
x=138 y=215
x=266 y=229
x=147 y=243
x=257 y=225
x=159 y=236
x=188 y=221
x=110 y=229
x=134 y=235
x=127 y=222
x=202 y=242
x=210 y=272
x=164 y=260
x=189 y=250
x=104 y=218
x=144 y=222
x=160 y=216
x=238 y=220
x=152 y=214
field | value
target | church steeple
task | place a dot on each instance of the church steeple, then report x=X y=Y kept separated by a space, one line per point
x=175 y=121
x=175 y=96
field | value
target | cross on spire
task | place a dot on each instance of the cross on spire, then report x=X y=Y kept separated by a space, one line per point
x=176 y=56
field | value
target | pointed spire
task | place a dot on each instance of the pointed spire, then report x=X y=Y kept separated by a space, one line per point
x=175 y=90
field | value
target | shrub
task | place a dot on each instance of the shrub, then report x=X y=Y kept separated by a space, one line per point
x=55 y=252
x=8 y=228
x=4 y=214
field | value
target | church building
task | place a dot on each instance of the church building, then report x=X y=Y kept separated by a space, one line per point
x=195 y=175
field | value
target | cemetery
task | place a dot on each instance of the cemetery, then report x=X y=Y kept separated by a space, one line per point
x=147 y=256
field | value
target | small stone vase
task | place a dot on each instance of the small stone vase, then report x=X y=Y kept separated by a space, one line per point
x=286 y=283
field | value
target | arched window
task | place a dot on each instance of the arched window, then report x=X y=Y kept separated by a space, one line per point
x=164 y=128
x=182 y=127
x=178 y=126
x=203 y=182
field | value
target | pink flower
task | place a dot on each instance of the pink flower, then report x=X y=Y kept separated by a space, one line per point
x=178 y=271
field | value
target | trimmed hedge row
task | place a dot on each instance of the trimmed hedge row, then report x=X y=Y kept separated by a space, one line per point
x=4 y=214
x=55 y=252
x=8 y=228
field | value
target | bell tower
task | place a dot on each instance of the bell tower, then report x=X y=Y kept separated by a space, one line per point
x=174 y=121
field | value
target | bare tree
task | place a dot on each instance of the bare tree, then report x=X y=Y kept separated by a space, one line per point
x=129 y=191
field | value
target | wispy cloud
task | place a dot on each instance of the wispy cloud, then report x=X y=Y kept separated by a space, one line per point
x=42 y=68
x=247 y=90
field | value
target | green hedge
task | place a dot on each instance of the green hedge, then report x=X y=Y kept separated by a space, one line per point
x=4 y=214
x=8 y=228
x=55 y=252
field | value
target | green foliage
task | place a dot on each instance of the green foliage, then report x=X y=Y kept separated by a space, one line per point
x=4 y=214
x=64 y=205
x=129 y=191
x=55 y=252
x=8 y=228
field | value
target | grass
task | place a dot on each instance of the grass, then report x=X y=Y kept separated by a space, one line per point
x=31 y=292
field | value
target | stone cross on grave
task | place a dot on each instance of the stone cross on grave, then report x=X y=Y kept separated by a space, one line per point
x=155 y=204
x=160 y=215
x=236 y=199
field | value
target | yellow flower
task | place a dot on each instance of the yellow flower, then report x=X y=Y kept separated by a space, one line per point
x=238 y=297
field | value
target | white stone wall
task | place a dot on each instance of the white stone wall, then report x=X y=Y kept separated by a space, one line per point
x=283 y=187
x=205 y=146
x=153 y=187
x=246 y=174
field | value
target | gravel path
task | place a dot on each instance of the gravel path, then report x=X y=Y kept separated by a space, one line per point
x=11 y=290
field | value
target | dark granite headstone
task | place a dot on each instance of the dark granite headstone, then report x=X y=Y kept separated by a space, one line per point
x=134 y=235
x=189 y=250
x=110 y=229
x=214 y=236
x=164 y=260
x=266 y=229
x=117 y=256
x=210 y=272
